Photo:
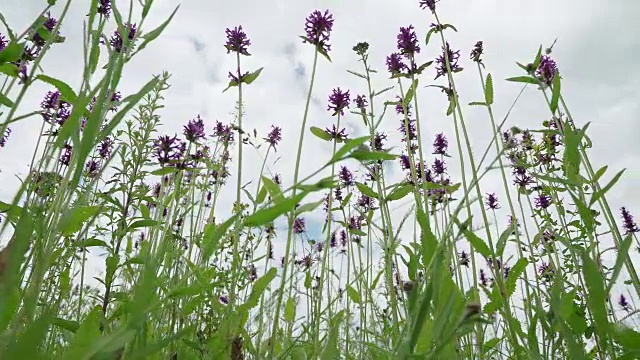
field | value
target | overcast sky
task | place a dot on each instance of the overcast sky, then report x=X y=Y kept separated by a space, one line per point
x=596 y=52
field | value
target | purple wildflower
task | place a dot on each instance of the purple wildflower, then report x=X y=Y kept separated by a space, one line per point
x=104 y=148
x=337 y=193
x=237 y=79
x=410 y=125
x=361 y=102
x=546 y=271
x=622 y=301
x=224 y=299
x=430 y=4
x=3 y=42
x=49 y=24
x=440 y=145
x=346 y=176
x=54 y=108
x=117 y=41
x=318 y=28
x=400 y=107
x=332 y=240
x=543 y=201
x=365 y=202
x=439 y=167
x=338 y=101
x=451 y=56
x=628 y=222
x=274 y=136
x=277 y=180
x=65 y=158
x=223 y=132
x=378 y=141
x=5 y=137
x=483 y=278
x=167 y=149
x=407 y=41
x=237 y=41
x=194 y=130
x=355 y=223
x=477 y=52
x=299 y=225
x=492 y=201
x=405 y=163
x=395 y=65
x=343 y=237
x=335 y=134
x=547 y=69
x=104 y=7
x=464 y=259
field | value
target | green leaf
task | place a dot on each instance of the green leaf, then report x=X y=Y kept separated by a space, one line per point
x=598 y=194
x=514 y=274
x=163 y=171
x=28 y=342
x=555 y=93
x=478 y=244
x=308 y=207
x=599 y=173
x=265 y=216
x=273 y=189
x=596 y=296
x=152 y=35
x=12 y=52
x=259 y=287
x=400 y=192
x=357 y=74
x=68 y=325
x=411 y=92
x=623 y=254
x=318 y=132
x=330 y=351
x=477 y=103
x=212 y=235
x=488 y=90
x=5 y=101
x=353 y=295
x=146 y=352
x=502 y=241
x=86 y=335
x=65 y=90
x=524 y=79
x=142 y=223
x=366 y=190
x=9 y=69
x=347 y=147
x=367 y=155
x=73 y=220
x=92 y=242
x=251 y=77
x=290 y=310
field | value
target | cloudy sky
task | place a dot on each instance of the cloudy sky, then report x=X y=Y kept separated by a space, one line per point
x=596 y=52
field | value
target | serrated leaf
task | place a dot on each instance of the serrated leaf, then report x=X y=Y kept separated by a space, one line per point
x=73 y=220
x=488 y=90
x=399 y=192
x=153 y=34
x=524 y=79
x=12 y=52
x=212 y=235
x=9 y=69
x=290 y=310
x=318 y=132
x=265 y=216
x=476 y=242
x=366 y=190
x=259 y=287
x=353 y=295
x=252 y=76
x=514 y=274
x=5 y=101
x=65 y=90
x=596 y=296
x=598 y=194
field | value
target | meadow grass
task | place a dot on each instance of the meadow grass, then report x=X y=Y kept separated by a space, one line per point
x=409 y=267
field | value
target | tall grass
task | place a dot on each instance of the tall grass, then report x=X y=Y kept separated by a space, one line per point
x=409 y=267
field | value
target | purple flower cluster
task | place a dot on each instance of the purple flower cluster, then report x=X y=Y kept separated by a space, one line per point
x=477 y=52
x=55 y=110
x=318 y=27
x=299 y=225
x=65 y=157
x=49 y=24
x=104 y=7
x=194 y=130
x=441 y=61
x=337 y=134
x=346 y=176
x=338 y=101
x=628 y=223
x=169 y=149
x=274 y=136
x=547 y=69
x=361 y=102
x=5 y=137
x=492 y=201
x=440 y=145
x=237 y=41
x=118 y=43
x=428 y=4
x=3 y=42
x=407 y=41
